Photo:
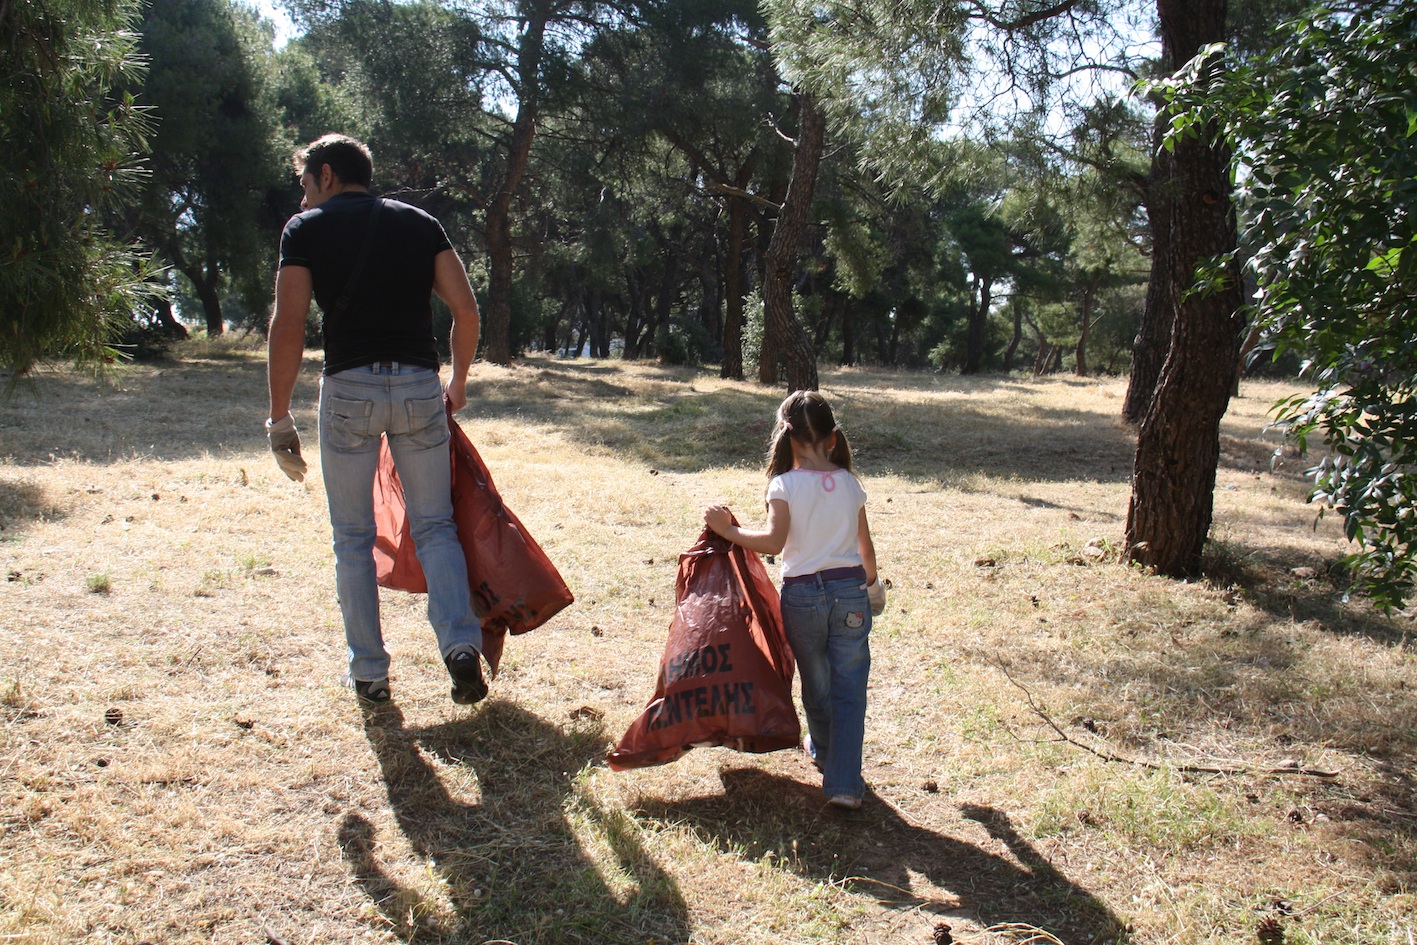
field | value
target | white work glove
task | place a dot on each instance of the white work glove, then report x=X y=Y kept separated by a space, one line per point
x=876 y=594
x=285 y=444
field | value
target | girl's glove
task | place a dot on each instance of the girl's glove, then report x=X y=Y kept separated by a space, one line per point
x=285 y=444
x=876 y=594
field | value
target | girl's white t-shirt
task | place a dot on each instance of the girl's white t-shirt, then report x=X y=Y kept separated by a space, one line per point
x=824 y=514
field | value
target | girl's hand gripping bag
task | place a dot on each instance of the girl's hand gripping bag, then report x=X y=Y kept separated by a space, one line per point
x=726 y=675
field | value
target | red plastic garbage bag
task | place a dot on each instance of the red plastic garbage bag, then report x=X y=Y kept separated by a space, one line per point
x=726 y=675
x=515 y=587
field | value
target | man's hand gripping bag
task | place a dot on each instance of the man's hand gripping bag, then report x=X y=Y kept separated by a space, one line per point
x=726 y=675
x=515 y=587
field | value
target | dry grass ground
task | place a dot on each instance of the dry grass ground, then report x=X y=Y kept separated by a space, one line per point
x=179 y=764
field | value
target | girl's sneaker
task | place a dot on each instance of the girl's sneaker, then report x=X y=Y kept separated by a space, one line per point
x=845 y=802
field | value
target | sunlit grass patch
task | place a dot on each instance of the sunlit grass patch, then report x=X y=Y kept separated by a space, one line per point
x=179 y=761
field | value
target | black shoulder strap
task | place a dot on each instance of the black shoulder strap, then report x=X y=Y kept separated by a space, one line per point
x=347 y=295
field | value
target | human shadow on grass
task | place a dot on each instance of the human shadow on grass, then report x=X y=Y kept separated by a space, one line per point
x=512 y=863
x=874 y=851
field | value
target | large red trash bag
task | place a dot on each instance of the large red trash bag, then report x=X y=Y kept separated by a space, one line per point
x=726 y=675
x=515 y=587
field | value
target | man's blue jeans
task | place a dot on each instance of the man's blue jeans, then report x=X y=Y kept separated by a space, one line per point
x=405 y=404
x=828 y=625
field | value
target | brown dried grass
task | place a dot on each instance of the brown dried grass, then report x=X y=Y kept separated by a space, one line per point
x=178 y=762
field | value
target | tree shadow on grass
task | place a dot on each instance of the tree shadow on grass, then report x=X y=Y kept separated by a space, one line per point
x=512 y=865
x=168 y=411
x=1292 y=584
x=21 y=505
x=875 y=851
x=661 y=417
x=666 y=420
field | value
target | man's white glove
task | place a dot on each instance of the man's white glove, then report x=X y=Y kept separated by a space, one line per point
x=285 y=444
x=876 y=594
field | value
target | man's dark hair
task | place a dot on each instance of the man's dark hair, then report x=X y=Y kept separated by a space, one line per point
x=349 y=159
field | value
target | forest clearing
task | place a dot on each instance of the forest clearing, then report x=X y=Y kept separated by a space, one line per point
x=1059 y=748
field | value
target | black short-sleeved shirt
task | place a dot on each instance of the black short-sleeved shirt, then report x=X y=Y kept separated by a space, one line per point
x=390 y=317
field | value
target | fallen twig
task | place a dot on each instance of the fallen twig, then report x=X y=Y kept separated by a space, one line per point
x=1107 y=754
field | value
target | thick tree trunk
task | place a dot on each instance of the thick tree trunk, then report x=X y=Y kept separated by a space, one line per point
x=1042 y=358
x=781 y=326
x=205 y=283
x=498 y=310
x=167 y=322
x=600 y=327
x=1017 y=339
x=978 y=322
x=1154 y=333
x=1178 y=446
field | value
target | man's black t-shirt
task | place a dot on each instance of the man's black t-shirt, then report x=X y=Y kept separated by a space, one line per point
x=389 y=317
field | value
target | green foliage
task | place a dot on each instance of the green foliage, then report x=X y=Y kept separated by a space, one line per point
x=886 y=72
x=71 y=146
x=753 y=331
x=1326 y=125
x=308 y=104
x=212 y=207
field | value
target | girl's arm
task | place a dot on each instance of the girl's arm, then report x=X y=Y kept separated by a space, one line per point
x=766 y=542
x=866 y=546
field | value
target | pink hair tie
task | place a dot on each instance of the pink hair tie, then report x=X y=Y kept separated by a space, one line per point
x=786 y=425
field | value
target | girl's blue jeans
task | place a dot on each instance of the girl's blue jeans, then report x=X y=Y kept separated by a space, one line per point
x=405 y=404
x=828 y=625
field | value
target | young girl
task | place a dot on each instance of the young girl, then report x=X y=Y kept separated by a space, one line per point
x=817 y=522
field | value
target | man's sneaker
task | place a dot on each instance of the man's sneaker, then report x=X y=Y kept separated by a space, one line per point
x=465 y=666
x=371 y=692
x=845 y=802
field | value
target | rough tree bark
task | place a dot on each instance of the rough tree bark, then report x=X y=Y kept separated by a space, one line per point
x=781 y=327
x=205 y=282
x=978 y=323
x=1154 y=333
x=1178 y=446
x=167 y=321
x=1017 y=338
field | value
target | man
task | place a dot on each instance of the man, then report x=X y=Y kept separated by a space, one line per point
x=371 y=264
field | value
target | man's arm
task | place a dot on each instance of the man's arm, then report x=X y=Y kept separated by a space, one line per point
x=285 y=340
x=451 y=285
